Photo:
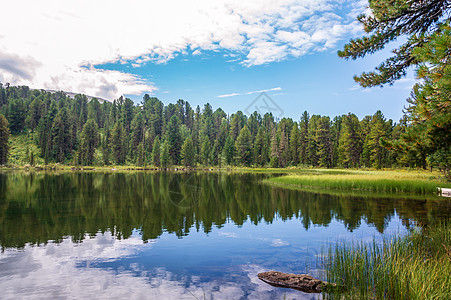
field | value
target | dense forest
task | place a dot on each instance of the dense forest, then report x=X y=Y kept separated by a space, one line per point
x=81 y=132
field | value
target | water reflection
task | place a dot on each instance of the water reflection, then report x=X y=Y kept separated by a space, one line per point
x=38 y=207
x=176 y=235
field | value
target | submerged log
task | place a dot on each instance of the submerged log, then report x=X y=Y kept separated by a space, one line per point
x=301 y=282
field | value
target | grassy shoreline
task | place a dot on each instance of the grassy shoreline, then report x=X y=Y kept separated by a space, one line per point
x=393 y=181
x=389 y=182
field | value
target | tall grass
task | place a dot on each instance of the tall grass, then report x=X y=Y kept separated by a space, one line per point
x=417 y=266
x=388 y=181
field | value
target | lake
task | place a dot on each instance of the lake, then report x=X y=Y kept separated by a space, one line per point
x=159 y=235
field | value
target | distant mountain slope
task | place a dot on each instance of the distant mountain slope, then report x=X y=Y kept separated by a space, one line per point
x=72 y=95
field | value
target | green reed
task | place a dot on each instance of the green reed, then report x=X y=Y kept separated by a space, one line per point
x=369 y=181
x=416 y=266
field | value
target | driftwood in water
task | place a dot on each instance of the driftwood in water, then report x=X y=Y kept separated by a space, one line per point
x=302 y=282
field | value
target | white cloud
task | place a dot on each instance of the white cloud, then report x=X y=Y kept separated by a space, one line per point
x=249 y=93
x=70 y=271
x=45 y=44
x=279 y=243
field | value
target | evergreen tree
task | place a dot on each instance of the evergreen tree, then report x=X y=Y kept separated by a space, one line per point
x=228 y=152
x=174 y=139
x=350 y=143
x=294 y=144
x=117 y=144
x=89 y=142
x=16 y=116
x=312 y=146
x=205 y=151
x=235 y=125
x=4 y=140
x=156 y=152
x=303 y=138
x=275 y=155
x=61 y=137
x=187 y=154
x=323 y=143
x=259 y=148
x=374 y=154
x=137 y=136
x=106 y=147
x=429 y=111
x=165 y=158
x=389 y=20
x=243 y=146
x=283 y=150
x=215 y=154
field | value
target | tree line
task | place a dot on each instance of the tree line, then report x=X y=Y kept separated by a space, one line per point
x=81 y=132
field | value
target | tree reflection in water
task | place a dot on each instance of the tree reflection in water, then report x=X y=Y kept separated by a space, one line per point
x=39 y=207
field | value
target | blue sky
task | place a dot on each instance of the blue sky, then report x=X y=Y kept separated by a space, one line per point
x=222 y=52
x=321 y=83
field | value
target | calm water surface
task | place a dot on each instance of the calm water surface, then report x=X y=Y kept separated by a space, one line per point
x=179 y=235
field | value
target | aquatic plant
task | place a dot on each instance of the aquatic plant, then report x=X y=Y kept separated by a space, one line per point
x=416 y=266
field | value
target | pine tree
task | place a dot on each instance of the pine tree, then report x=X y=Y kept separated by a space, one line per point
x=174 y=139
x=294 y=144
x=374 y=153
x=117 y=143
x=243 y=146
x=350 y=143
x=61 y=137
x=228 y=152
x=89 y=142
x=165 y=158
x=389 y=20
x=156 y=152
x=236 y=125
x=137 y=135
x=205 y=151
x=16 y=116
x=283 y=150
x=303 y=140
x=429 y=111
x=312 y=145
x=323 y=143
x=275 y=155
x=4 y=140
x=187 y=153
x=106 y=147
x=259 y=148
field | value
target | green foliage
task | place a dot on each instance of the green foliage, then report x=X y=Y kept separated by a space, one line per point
x=205 y=151
x=426 y=24
x=243 y=146
x=416 y=266
x=24 y=150
x=61 y=137
x=16 y=116
x=188 y=154
x=364 y=181
x=117 y=143
x=350 y=142
x=133 y=135
x=388 y=20
x=174 y=139
x=165 y=156
x=228 y=152
x=156 y=152
x=429 y=112
x=89 y=142
x=4 y=140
